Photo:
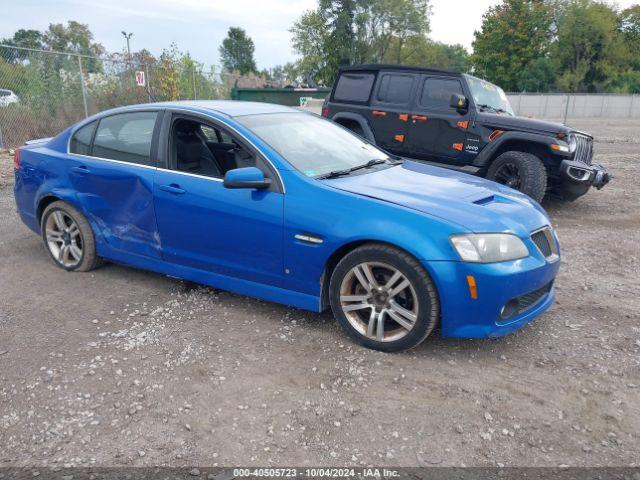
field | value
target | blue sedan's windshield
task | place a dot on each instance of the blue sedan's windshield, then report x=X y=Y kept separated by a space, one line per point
x=311 y=144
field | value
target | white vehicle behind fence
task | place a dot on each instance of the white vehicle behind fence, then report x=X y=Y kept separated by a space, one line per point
x=7 y=97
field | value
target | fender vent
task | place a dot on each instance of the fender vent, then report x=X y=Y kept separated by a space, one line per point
x=485 y=200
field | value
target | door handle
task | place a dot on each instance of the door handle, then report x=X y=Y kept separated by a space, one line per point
x=173 y=188
x=378 y=113
x=82 y=170
x=419 y=118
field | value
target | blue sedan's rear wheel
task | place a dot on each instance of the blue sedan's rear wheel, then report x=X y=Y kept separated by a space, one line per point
x=384 y=298
x=68 y=238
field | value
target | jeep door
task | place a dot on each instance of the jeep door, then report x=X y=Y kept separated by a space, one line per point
x=389 y=112
x=438 y=131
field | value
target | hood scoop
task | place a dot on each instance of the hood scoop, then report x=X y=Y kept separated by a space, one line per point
x=485 y=200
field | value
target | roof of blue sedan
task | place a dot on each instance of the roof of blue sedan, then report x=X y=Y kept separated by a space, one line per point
x=232 y=108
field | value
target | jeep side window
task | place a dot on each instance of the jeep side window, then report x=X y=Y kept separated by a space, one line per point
x=436 y=92
x=354 y=87
x=395 y=88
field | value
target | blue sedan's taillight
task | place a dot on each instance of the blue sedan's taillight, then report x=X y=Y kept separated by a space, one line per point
x=16 y=159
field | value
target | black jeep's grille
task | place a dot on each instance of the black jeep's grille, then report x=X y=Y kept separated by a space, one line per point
x=542 y=242
x=525 y=302
x=584 y=149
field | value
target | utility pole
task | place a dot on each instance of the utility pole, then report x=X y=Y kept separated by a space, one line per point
x=127 y=36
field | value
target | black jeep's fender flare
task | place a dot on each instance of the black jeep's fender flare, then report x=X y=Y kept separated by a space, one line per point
x=360 y=120
x=488 y=153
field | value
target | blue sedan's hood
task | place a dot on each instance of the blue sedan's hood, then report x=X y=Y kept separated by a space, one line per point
x=474 y=203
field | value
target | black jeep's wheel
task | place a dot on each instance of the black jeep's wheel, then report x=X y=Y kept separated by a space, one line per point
x=522 y=171
x=383 y=298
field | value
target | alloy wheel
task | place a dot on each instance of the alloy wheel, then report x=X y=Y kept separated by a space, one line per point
x=509 y=175
x=64 y=239
x=379 y=301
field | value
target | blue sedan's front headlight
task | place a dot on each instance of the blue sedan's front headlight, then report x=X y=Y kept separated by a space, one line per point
x=489 y=247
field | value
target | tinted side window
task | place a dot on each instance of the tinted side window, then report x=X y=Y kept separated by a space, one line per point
x=193 y=152
x=81 y=140
x=209 y=134
x=395 y=88
x=214 y=135
x=436 y=92
x=126 y=137
x=354 y=87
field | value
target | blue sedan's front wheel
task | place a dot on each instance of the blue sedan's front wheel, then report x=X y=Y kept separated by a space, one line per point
x=384 y=298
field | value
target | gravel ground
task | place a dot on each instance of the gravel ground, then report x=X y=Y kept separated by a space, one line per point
x=6 y=169
x=125 y=367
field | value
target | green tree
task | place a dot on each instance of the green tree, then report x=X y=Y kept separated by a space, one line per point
x=236 y=52
x=513 y=34
x=282 y=74
x=22 y=38
x=339 y=16
x=590 y=51
x=311 y=40
x=358 y=31
x=421 y=51
x=168 y=73
x=630 y=24
x=538 y=76
x=75 y=37
x=630 y=29
x=386 y=26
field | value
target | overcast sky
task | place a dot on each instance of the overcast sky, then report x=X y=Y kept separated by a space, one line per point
x=200 y=25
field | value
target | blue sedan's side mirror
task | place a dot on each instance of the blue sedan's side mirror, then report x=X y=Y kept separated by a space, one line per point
x=247 y=177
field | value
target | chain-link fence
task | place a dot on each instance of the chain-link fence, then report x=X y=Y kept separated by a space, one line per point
x=43 y=92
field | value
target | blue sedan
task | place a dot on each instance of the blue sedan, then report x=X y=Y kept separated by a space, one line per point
x=282 y=205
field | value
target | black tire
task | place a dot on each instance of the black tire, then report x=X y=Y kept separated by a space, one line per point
x=522 y=171
x=421 y=287
x=89 y=258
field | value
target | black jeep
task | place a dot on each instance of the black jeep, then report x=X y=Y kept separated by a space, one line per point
x=465 y=123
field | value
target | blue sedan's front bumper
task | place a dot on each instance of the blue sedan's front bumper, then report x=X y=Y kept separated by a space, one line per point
x=497 y=284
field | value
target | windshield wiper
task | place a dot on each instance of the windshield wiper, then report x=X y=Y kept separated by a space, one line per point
x=484 y=106
x=347 y=171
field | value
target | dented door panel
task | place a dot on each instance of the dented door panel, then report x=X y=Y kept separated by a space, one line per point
x=118 y=199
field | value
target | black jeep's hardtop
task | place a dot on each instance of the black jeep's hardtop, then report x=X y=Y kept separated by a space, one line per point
x=466 y=123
